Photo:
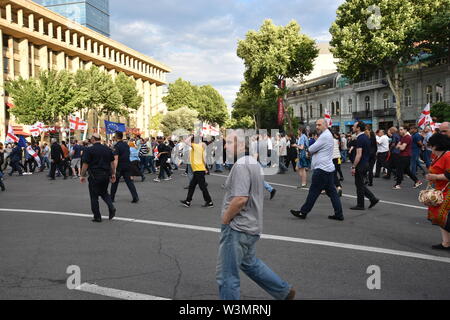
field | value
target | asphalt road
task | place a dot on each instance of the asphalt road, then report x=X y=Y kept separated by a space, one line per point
x=177 y=260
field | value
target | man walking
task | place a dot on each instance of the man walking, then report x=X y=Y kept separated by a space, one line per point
x=323 y=175
x=361 y=167
x=15 y=158
x=197 y=160
x=122 y=164
x=57 y=160
x=164 y=153
x=382 y=151
x=242 y=223
x=76 y=154
x=99 y=160
x=417 y=145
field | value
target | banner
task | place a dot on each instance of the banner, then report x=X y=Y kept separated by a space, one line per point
x=281 y=104
x=113 y=127
x=77 y=124
x=11 y=137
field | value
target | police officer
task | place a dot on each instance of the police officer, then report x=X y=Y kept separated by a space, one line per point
x=57 y=162
x=98 y=160
x=123 y=165
x=15 y=158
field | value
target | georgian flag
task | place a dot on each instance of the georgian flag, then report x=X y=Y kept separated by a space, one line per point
x=34 y=154
x=425 y=117
x=77 y=124
x=35 y=131
x=328 y=118
x=10 y=136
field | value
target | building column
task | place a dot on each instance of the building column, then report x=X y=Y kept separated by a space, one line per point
x=31 y=22
x=20 y=18
x=147 y=108
x=141 y=110
x=9 y=13
x=43 y=58
x=41 y=25
x=89 y=45
x=61 y=61
x=24 y=58
x=96 y=48
x=107 y=53
x=82 y=43
x=68 y=37
x=59 y=33
x=75 y=39
x=11 y=56
x=75 y=64
x=101 y=50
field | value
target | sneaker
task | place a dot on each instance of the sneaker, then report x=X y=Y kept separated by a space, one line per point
x=397 y=187
x=291 y=294
x=208 y=205
x=418 y=184
x=273 y=193
x=185 y=203
x=168 y=179
x=298 y=214
x=156 y=180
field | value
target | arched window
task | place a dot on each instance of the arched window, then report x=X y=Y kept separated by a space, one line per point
x=338 y=108
x=350 y=105
x=439 y=93
x=332 y=109
x=367 y=103
x=386 y=101
x=408 y=99
x=429 y=93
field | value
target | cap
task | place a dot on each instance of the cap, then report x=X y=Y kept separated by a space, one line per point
x=96 y=136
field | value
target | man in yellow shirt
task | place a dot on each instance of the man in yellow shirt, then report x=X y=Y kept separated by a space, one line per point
x=198 y=165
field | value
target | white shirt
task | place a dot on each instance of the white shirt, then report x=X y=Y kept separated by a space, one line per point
x=336 y=151
x=382 y=144
x=322 y=152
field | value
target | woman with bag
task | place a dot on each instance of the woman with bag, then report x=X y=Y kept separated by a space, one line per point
x=438 y=199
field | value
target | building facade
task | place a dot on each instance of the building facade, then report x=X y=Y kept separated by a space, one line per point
x=35 y=38
x=372 y=100
x=93 y=14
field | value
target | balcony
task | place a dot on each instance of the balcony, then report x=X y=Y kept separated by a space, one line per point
x=370 y=85
x=362 y=115
x=391 y=112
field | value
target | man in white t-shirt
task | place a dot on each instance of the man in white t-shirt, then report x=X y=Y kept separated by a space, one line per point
x=382 y=151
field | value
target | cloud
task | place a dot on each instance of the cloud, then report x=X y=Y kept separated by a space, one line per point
x=198 y=38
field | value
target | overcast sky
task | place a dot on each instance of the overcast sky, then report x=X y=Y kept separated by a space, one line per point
x=198 y=38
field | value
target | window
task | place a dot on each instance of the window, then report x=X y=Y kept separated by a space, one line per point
x=338 y=108
x=310 y=111
x=332 y=109
x=386 y=101
x=439 y=93
x=429 y=93
x=367 y=103
x=408 y=98
x=321 y=110
x=350 y=105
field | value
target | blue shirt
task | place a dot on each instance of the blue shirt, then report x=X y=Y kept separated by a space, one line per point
x=395 y=140
x=77 y=151
x=416 y=138
x=134 y=154
x=303 y=141
x=322 y=152
x=363 y=142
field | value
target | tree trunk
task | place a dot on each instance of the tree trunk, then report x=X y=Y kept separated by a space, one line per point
x=393 y=77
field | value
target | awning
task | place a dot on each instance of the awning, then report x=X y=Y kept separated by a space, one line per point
x=18 y=131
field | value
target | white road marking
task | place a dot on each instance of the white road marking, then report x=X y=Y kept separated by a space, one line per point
x=115 y=293
x=344 y=195
x=264 y=236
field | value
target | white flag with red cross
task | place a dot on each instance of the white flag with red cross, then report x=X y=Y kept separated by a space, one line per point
x=34 y=154
x=328 y=118
x=35 y=131
x=77 y=124
x=425 y=117
x=10 y=136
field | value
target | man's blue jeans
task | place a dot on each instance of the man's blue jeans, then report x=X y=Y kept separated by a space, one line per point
x=415 y=162
x=322 y=180
x=344 y=156
x=237 y=251
x=151 y=163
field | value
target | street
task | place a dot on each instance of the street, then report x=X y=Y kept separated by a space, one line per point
x=160 y=249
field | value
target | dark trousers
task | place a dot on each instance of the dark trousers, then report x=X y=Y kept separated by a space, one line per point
x=393 y=164
x=337 y=169
x=60 y=166
x=322 y=180
x=381 y=162
x=372 y=160
x=126 y=174
x=164 y=167
x=198 y=178
x=291 y=160
x=404 y=167
x=145 y=164
x=30 y=165
x=15 y=166
x=361 y=188
x=98 y=187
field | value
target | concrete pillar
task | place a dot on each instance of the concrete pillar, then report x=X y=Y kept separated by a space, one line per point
x=60 y=61
x=88 y=65
x=67 y=37
x=43 y=58
x=75 y=64
x=24 y=58
x=41 y=25
x=31 y=22
x=75 y=39
x=9 y=13
x=11 y=55
x=113 y=55
x=101 y=50
x=139 y=118
x=82 y=43
x=50 y=30
x=96 y=48
x=89 y=45
x=107 y=53
x=102 y=68
x=20 y=18
x=32 y=61
x=59 y=33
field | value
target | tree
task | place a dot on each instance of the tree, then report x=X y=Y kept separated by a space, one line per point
x=368 y=38
x=441 y=112
x=183 y=118
x=246 y=122
x=275 y=53
x=155 y=123
x=102 y=96
x=49 y=98
x=131 y=99
x=181 y=94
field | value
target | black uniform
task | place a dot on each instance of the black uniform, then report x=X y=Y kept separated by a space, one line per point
x=57 y=157
x=122 y=150
x=16 y=158
x=99 y=159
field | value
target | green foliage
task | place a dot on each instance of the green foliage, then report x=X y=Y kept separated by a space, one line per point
x=47 y=98
x=127 y=88
x=245 y=122
x=441 y=111
x=182 y=118
x=209 y=104
x=155 y=122
x=274 y=53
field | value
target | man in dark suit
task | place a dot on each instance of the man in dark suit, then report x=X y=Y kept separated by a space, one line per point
x=15 y=158
x=57 y=160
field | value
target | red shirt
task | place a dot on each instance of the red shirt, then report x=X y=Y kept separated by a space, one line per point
x=408 y=150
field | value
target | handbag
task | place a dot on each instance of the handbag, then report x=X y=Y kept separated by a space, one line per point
x=432 y=197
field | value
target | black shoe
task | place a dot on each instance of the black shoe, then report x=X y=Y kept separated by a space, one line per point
x=298 y=214
x=440 y=247
x=3 y=189
x=358 y=208
x=135 y=201
x=185 y=203
x=370 y=185
x=373 y=203
x=208 y=205
x=65 y=177
x=336 y=218
x=143 y=179
x=97 y=220
x=273 y=193
x=186 y=188
x=112 y=214
x=340 y=192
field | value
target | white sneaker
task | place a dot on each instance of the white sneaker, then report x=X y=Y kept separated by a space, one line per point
x=156 y=180
x=168 y=179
